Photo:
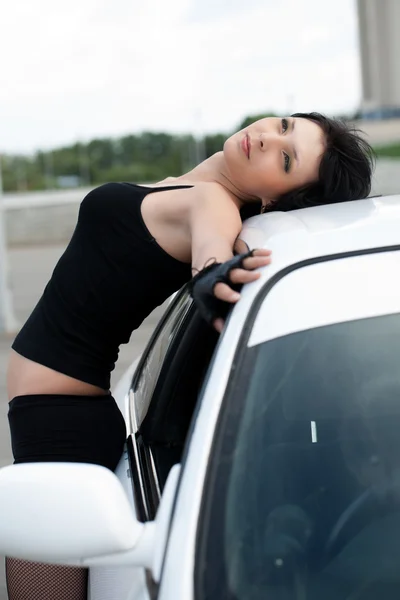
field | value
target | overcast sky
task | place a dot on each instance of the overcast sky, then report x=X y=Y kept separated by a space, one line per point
x=76 y=69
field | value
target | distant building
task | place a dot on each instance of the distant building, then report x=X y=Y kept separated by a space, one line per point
x=379 y=32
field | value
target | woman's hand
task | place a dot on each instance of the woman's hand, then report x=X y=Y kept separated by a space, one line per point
x=215 y=226
x=216 y=286
x=240 y=276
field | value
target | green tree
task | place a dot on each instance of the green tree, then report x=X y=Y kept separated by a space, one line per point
x=214 y=143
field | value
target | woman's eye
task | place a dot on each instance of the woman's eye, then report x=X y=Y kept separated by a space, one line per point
x=285 y=125
x=286 y=162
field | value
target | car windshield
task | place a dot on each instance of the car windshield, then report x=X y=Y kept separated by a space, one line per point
x=303 y=494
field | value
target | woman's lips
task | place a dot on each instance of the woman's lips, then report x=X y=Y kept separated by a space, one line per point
x=245 y=144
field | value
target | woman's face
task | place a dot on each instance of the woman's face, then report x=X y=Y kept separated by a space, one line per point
x=274 y=156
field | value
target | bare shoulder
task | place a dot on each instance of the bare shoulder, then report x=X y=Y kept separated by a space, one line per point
x=209 y=189
x=214 y=224
x=212 y=199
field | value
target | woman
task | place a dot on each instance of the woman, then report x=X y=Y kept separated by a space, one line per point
x=133 y=246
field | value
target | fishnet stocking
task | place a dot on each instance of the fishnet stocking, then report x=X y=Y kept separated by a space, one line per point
x=37 y=581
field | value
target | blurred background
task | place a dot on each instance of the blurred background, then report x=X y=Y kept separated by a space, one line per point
x=95 y=91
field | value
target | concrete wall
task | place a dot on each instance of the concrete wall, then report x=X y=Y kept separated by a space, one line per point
x=41 y=218
x=40 y=225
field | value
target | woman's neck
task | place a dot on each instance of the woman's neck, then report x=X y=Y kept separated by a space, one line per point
x=214 y=170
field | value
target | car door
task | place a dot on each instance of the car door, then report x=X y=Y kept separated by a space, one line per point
x=163 y=397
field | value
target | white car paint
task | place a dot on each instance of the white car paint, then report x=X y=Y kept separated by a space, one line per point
x=342 y=290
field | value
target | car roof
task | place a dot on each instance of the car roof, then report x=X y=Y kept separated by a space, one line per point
x=329 y=292
x=303 y=236
x=324 y=230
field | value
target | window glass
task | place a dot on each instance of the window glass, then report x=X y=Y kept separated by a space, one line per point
x=156 y=354
x=303 y=493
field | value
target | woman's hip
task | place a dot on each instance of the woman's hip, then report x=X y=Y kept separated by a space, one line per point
x=66 y=428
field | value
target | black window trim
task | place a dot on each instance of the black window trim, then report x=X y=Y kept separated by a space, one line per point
x=240 y=352
x=138 y=484
x=145 y=482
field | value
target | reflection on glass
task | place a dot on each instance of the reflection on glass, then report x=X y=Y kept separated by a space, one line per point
x=153 y=363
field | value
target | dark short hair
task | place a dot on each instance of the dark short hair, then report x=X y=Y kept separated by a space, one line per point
x=345 y=171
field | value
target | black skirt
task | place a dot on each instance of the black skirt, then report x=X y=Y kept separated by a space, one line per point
x=67 y=428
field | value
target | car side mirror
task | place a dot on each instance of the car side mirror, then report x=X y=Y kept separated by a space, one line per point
x=77 y=514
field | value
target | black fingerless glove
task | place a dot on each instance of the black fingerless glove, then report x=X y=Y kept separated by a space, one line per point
x=202 y=287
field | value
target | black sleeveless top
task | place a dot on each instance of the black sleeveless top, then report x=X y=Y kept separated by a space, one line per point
x=111 y=276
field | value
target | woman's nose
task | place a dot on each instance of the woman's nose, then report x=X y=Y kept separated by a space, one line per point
x=268 y=140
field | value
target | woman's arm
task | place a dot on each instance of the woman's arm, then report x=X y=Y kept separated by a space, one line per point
x=215 y=224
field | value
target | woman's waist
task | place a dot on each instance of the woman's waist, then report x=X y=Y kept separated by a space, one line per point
x=26 y=376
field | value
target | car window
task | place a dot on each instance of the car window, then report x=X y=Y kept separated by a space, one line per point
x=164 y=398
x=152 y=361
x=303 y=491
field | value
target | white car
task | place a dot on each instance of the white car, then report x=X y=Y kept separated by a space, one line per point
x=261 y=464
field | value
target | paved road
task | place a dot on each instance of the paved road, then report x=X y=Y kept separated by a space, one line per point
x=29 y=269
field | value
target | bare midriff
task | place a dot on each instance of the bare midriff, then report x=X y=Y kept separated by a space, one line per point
x=26 y=377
